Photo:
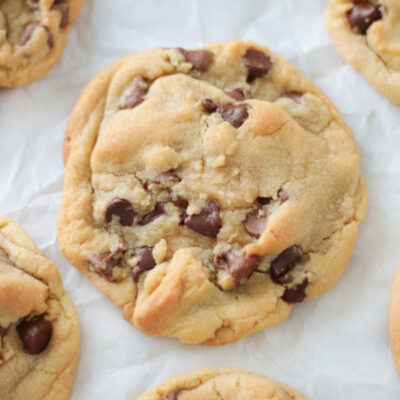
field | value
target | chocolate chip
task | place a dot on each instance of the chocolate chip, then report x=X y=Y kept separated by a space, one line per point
x=122 y=209
x=293 y=94
x=200 y=59
x=3 y=332
x=235 y=114
x=257 y=63
x=284 y=263
x=27 y=32
x=209 y=106
x=105 y=263
x=35 y=334
x=238 y=94
x=255 y=223
x=172 y=395
x=297 y=293
x=138 y=93
x=363 y=15
x=62 y=8
x=145 y=261
x=208 y=222
x=264 y=200
x=179 y=201
x=237 y=265
x=151 y=216
x=163 y=178
x=283 y=195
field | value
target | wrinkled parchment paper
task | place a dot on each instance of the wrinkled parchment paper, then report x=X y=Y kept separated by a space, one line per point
x=334 y=347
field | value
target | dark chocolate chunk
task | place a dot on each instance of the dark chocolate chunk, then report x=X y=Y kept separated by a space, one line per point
x=238 y=94
x=163 y=178
x=235 y=114
x=293 y=94
x=283 y=195
x=257 y=64
x=172 y=395
x=264 y=200
x=200 y=59
x=284 y=263
x=179 y=201
x=145 y=261
x=122 y=209
x=208 y=222
x=35 y=334
x=297 y=293
x=105 y=263
x=62 y=7
x=255 y=223
x=363 y=15
x=209 y=106
x=27 y=32
x=138 y=93
x=237 y=265
x=159 y=210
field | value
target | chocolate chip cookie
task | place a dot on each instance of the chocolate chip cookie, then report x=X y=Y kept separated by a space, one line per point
x=33 y=34
x=367 y=35
x=221 y=384
x=209 y=190
x=394 y=319
x=39 y=331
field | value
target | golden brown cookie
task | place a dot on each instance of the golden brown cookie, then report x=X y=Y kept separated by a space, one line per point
x=394 y=319
x=39 y=330
x=367 y=35
x=33 y=34
x=221 y=384
x=207 y=191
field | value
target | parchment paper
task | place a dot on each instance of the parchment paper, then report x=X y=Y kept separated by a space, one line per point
x=334 y=347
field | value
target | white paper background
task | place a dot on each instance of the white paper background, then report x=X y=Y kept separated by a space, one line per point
x=334 y=347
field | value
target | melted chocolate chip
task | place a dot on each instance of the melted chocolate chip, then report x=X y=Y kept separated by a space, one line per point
x=293 y=94
x=145 y=261
x=27 y=32
x=264 y=200
x=362 y=16
x=237 y=265
x=255 y=223
x=257 y=64
x=163 y=178
x=35 y=335
x=138 y=93
x=284 y=263
x=297 y=293
x=105 y=263
x=200 y=59
x=62 y=8
x=122 y=209
x=172 y=395
x=208 y=222
x=238 y=94
x=235 y=114
x=179 y=201
x=283 y=195
x=209 y=106
x=3 y=332
x=159 y=210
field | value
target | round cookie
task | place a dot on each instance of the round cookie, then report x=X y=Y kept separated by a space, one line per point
x=394 y=319
x=366 y=33
x=221 y=384
x=33 y=34
x=207 y=191
x=39 y=330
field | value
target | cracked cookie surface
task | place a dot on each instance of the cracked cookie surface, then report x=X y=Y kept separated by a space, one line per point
x=394 y=319
x=221 y=384
x=39 y=331
x=367 y=35
x=208 y=191
x=33 y=34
